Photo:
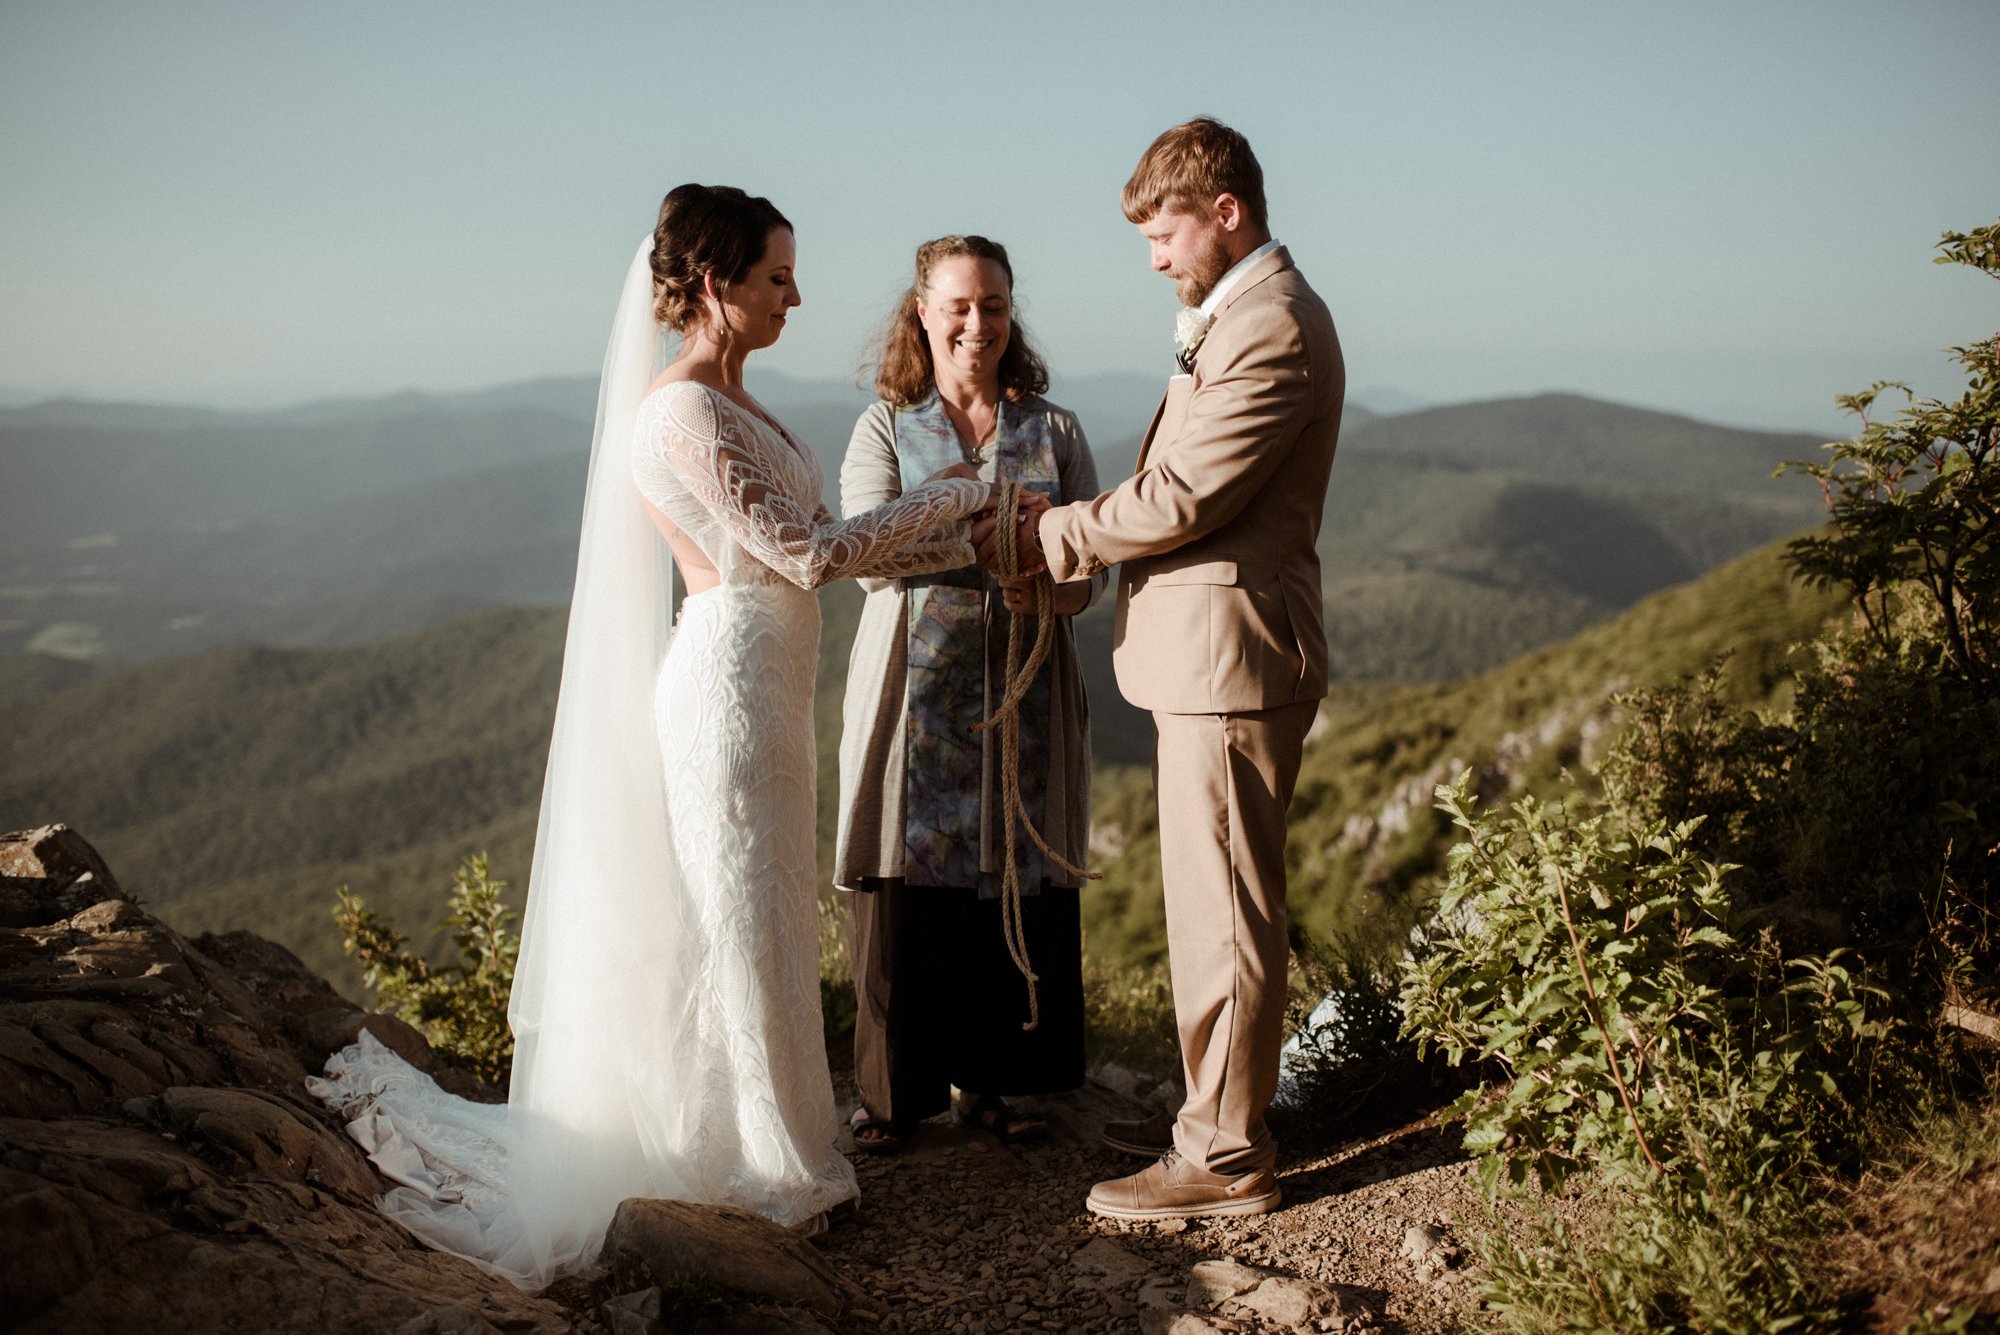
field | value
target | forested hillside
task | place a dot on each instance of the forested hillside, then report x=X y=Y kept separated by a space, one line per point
x=242 y=785
x=1363 y=827
x=397 y=726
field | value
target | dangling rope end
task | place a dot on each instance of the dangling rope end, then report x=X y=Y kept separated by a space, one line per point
x=1019 y=678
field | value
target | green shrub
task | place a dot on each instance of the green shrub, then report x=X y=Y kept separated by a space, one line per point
x=1677 y=1070
x=838 y=1006
x=1869 y=814
x=460 y=1007
x=1632 y=965
x=1915 y=499
x=1129 y=1017
x=1866 y=816
x=1340 y=1062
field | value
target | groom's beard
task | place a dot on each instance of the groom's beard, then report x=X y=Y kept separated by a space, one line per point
x=1193 y=284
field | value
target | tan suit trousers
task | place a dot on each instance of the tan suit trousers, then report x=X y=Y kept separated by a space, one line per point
x=1224 y=783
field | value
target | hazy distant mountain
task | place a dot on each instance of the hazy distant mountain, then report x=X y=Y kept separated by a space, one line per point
x=1458 y=538
x=96 y=414
x=1455 y=538
x=25 y=676
x=67 y=482
x=1571 y=439
x=244 y=784
x=1382 y=399
x=250 y=781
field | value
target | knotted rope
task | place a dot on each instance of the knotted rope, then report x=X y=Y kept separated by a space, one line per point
x=1007 y=718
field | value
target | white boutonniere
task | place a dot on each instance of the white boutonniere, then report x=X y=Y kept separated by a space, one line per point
x=1190 y=328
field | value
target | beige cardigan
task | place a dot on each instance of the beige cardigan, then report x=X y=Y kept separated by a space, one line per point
x=875 y=717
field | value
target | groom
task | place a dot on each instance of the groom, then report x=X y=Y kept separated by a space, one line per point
x=1219 y=634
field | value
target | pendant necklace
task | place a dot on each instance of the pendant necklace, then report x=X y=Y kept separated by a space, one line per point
x=975 y=453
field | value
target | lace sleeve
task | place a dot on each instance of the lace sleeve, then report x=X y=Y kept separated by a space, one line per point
x=947 y=549
x=724 y=469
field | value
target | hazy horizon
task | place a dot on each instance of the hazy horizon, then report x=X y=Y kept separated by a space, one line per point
x=1709 y=210
x=1379 y=400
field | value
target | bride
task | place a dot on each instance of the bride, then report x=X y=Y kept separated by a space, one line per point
x=667 y=1036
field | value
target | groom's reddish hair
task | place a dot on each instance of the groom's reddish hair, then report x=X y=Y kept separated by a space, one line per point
x=1188 y=166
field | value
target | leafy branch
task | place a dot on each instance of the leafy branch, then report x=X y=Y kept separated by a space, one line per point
x=460 y=1007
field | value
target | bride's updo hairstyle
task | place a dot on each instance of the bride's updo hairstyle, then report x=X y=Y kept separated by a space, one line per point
x=704 y=230
x=904 y=373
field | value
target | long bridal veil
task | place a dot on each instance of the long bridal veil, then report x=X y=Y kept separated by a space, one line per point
x=599 y=1006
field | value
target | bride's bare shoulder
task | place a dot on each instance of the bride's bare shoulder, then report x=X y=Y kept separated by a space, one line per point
x=688 y=373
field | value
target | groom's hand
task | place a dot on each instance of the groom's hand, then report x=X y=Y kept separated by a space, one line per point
x=1027 y=537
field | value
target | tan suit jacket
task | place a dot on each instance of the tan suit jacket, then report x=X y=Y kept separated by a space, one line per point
x=1219 y=605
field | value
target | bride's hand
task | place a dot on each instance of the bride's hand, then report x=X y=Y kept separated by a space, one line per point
x=970 y=473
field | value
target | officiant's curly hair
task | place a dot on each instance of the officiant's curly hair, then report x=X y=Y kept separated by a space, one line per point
x=904 y=374
x=1188 y=166
x=704 y=230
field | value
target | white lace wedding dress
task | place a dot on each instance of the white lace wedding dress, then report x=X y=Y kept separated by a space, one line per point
x=670 y=1044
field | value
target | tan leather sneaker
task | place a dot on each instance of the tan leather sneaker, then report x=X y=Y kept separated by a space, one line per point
x=1173 y=1188
x=1148 y=1138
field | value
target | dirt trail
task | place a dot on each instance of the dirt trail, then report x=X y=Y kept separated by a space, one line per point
x=959 y=1234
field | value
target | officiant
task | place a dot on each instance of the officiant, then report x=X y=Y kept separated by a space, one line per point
x=942 y=1006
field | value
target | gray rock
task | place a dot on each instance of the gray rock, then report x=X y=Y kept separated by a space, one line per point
x=636 y=1313
x=1298 y=1304
x=1423 y=1243
x=738 y=1254
x=1121 y=1079
x=48 y=874
x=1108 y=1263
x=451 y=1320
x=1212 y=1282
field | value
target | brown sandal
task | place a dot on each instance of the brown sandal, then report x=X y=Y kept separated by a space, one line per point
x=1008 y=1125
x=872 y=1134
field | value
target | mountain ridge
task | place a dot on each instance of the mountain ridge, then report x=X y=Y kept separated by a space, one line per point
x=118 y=547
x=248 y=782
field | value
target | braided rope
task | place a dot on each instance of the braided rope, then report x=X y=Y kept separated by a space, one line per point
x=1007 y=717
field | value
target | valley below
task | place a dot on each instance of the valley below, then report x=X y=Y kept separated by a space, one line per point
x=262 y=655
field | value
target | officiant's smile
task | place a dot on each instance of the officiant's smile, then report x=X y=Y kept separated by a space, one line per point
x=967 y=314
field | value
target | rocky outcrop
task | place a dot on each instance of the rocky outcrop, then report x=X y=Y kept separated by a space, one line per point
x=162 y=1167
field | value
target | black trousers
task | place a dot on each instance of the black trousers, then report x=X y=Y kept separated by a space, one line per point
x=940 y=1003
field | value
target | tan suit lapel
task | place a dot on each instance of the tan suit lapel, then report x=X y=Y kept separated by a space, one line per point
x=1167 y=418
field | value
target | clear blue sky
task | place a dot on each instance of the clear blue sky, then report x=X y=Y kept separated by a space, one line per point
x=1723 y=209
